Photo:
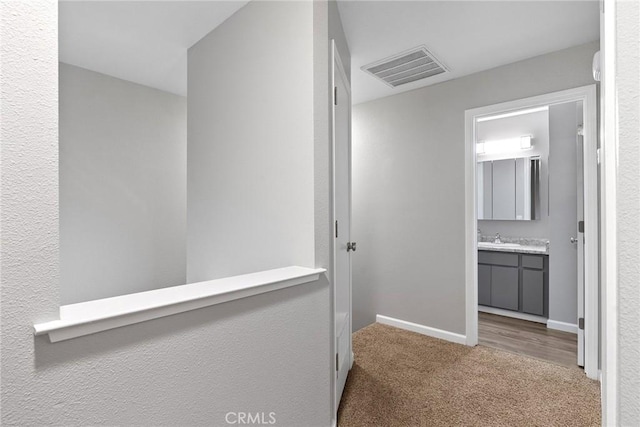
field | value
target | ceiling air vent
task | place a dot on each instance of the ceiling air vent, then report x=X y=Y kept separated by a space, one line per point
x=407 y=67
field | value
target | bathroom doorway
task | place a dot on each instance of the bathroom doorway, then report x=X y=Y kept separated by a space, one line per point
x=532 y=227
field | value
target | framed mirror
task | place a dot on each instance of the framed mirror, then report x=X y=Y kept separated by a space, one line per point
x=509 y=189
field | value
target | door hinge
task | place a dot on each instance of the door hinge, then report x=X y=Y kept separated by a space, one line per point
x=581 y=226
x=335 y=95
x=336 y=228
x=336 y=361
x=581 y=323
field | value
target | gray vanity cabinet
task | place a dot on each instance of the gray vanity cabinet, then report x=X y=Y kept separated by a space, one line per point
x=484 y=284
x=533 y=292
x=504 y=287
x=513 y=281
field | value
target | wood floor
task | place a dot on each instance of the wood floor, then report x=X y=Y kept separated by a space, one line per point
x=527 y=338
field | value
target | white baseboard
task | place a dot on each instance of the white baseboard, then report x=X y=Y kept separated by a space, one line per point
x=421 y=329
x=514 y=314
x=562 y=326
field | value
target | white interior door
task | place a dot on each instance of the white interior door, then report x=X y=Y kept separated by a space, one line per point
x=565 y=210
x=343 y=247
x=580 y=239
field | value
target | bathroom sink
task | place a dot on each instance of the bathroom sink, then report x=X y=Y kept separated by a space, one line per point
x=498 y=245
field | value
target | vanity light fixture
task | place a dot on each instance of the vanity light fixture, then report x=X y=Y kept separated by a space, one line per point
x=512 y=114
x=525 y=142
x=504 y=145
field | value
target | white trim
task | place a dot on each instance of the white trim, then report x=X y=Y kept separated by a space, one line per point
x=591 y=237
x=100 y=315
x=471 y=231
x=336 y=63
x=586 y=94
x=513 y=314
x=421 y=329
x=335 y=404
x=608 y=183
x=563 y=326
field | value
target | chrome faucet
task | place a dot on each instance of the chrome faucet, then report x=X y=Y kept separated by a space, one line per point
x=497 y=239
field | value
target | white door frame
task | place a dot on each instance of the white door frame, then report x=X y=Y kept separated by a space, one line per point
x=586 y=94
x=336 y=63
x=608 y=227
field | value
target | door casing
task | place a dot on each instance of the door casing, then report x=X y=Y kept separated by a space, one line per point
x=586 y=94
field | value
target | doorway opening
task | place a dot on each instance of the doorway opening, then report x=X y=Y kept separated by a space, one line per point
x=532 y=235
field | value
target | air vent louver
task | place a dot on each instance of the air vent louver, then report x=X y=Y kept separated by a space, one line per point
x=407 y=67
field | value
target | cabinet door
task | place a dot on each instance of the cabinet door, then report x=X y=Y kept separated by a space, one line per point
x=484 y=284
x=504 y=287
x=533 y=292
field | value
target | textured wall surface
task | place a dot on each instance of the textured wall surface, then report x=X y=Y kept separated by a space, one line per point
x=628 y=80
x=408 y=187
x=250 y=143
x=123 y=187
x=261 y=354
x=321 y=173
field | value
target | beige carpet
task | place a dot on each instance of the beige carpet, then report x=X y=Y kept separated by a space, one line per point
x=401 y=378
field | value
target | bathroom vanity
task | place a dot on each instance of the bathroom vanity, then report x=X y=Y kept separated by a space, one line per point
x=514 y=277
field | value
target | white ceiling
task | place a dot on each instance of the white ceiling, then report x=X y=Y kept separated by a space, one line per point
x=144 y=42
x=467 y=36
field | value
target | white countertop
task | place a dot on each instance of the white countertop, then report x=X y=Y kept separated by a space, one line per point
x=513 y=248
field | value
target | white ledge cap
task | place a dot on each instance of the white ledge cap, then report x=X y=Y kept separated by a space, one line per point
x=100 y=315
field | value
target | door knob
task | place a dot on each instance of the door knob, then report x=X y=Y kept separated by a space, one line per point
x=573 y=240
x=351 y=246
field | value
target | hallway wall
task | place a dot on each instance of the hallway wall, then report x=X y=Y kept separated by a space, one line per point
x=123 y=186
x=268 y=353
x=628 y=215
x=250 y=143
x=408 y=187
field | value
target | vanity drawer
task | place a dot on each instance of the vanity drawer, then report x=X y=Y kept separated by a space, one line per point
x=532 y=261
x=498 y=258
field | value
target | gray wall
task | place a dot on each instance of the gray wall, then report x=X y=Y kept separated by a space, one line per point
x=628 y=205
x=250 y=148
x=536 y=124
x=408 y=187
x=265 y=353
x=123 y=186
x=563 y=214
